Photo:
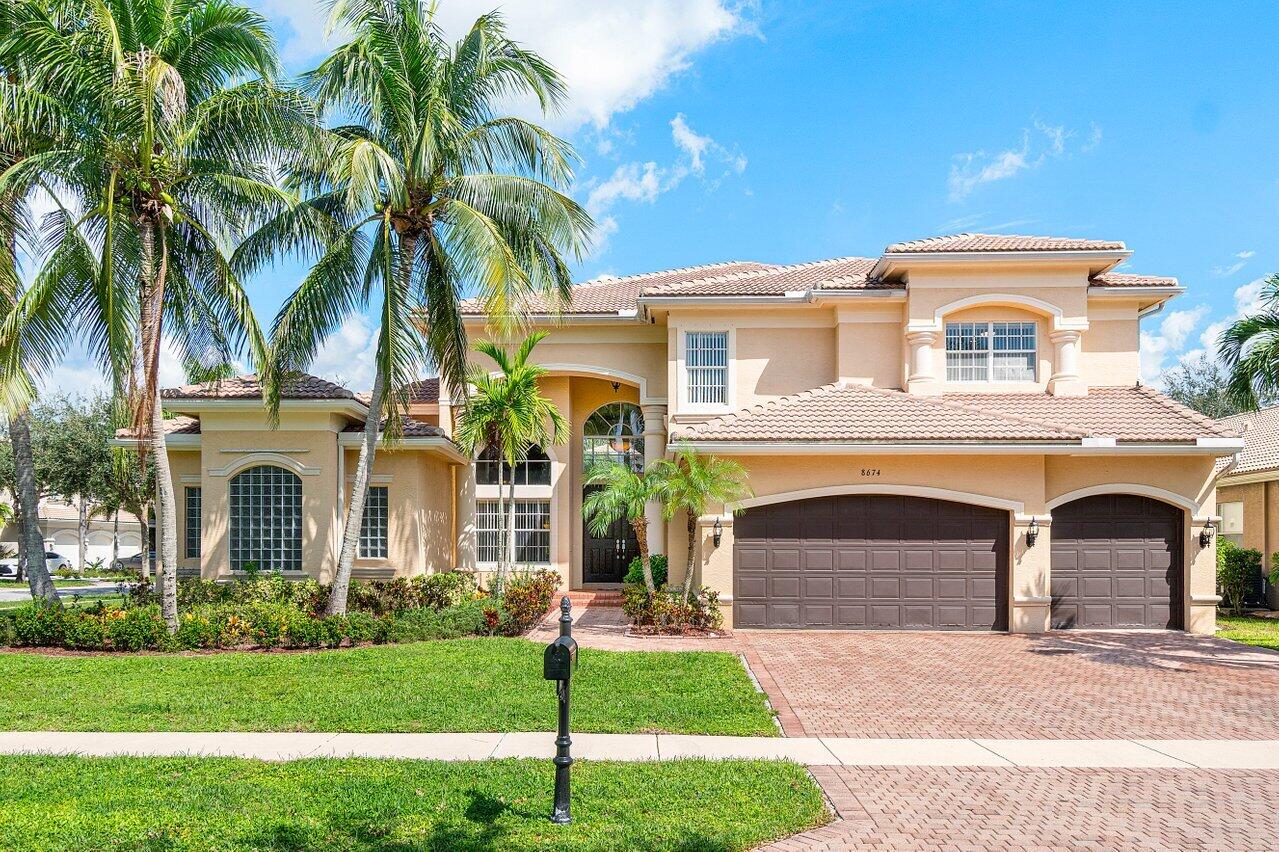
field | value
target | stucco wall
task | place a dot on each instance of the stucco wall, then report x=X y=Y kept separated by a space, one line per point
x=1260 y=520
x=774 y=362
x=185 y=465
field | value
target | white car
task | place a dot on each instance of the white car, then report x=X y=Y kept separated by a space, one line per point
x=55 y=561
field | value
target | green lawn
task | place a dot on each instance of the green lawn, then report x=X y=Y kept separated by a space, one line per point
x=456 y=685
x=68 y=600
x=67 y=803
x=1250 y=630
x=57 y=584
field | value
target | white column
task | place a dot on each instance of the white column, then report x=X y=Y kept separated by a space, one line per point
x=655 y=449
x=922 y=379
x=1065 y=379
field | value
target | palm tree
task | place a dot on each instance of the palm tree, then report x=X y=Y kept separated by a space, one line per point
x=431 y=192
x=508 y=413
x=692 y=482
x=1249 y=348
x=168 y=163
x=624 y=494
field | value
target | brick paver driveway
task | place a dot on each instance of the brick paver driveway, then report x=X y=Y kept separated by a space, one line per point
x=1060 y=686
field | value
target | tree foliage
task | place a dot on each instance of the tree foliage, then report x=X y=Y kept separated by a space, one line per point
x=1249 y=349
x=1203 y=384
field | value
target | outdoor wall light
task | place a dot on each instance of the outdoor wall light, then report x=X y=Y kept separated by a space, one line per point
x=717 y=533
x=1206 y=534
x=1032 y=532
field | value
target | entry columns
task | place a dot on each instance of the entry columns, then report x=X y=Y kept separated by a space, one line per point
x=654 y=449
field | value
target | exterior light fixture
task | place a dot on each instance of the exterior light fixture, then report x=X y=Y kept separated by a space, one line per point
x=717 y=533
x=1206 y=534
x=1032 y=532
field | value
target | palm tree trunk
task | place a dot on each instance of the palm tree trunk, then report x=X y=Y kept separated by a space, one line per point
x=640 y=525
x=510 y=531
x=692 y=548
x=115 y=540
x=501 y=524
x=355 y=509
x=82 y=535
x=167 y=522
x=38 y=578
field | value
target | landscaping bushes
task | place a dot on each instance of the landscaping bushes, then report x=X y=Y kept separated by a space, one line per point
x=270 y=611
x=666 y=611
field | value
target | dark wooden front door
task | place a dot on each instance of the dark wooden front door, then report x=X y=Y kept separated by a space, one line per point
x=605 y=559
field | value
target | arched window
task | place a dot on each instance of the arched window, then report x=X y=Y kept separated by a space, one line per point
x=614 y=432
x=266 y=519
x=533 y=469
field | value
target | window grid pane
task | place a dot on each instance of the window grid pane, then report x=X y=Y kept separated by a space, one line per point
x=994 y=351
x=266 y=519
x=706 y=362
x=532 y=531
x=193 y=523
x=534 y=469
x=373 y=527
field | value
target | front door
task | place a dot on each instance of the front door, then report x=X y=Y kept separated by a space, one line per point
x=605 y=559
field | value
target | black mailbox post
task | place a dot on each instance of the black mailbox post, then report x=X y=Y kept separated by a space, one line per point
x=558 y=664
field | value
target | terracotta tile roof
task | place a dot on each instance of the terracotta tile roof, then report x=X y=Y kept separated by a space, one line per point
x=1260 y=430
x=841 y=273
x=1123 y=279
x=854 y=413
x=1128 y=413
x=303 y=386
x=1002 y=242
x=179 y=424
x=412 y=429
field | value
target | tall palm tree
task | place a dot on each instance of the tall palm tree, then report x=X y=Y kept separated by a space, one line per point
x=1249 y=348
x=508 y=414
x=169 y=162
x=623 y=495
x=692 y=482
x=430 y=192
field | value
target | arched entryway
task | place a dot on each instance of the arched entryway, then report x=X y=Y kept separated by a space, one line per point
x=1117 y=563
x=612 y=433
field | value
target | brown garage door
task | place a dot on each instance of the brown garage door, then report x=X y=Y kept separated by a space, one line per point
x=871 y=562
x=1116 y=562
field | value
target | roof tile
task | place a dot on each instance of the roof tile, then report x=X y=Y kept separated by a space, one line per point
x=1260 y=430
x=301 y=386
x=1002 y=242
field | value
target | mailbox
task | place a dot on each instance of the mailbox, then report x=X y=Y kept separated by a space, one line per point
x=560 y=659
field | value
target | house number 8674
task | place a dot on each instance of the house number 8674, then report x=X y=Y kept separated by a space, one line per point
x=870 y=471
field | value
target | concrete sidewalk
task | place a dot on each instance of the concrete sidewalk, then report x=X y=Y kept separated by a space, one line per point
x=811 y=751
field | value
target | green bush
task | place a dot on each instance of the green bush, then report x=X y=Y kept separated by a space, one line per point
x=1237 y=569
x=447 y=589
x=666 y=611
x=526 y=597
x=138 y=629
x=657 y=563
x=39 y=625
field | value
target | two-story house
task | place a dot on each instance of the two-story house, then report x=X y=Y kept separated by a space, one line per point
x=951 y=435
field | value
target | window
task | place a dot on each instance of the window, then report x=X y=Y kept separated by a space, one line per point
x=532 y=531
x=266 y=519
x=533 y=469
x=1232 y=521
x=374 y=524
x=706 y=363
x=193 y=523
x=614 y=432
x=990 y=351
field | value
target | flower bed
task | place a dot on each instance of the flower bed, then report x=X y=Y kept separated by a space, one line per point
x=272 y=612
x=665 y=612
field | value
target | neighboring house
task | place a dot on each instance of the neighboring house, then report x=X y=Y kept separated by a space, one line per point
x=60 y=526
x=951 y=435
x=1248 y=493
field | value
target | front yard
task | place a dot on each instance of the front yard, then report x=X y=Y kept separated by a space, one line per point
x=1249 y=629
x=490 y=684
x=222 y=803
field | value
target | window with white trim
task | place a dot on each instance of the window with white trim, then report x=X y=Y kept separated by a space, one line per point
x=266 y=519
x=532 y=531
x=373 y=527
x=193 y=523
x=706 y=367
x=533 y=469
x=991 y=351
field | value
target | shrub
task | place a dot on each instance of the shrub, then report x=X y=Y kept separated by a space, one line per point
x=414 y=625
x=525 y=599
x=8 y=636
x=85 y=631
x=39 y=624
x=447 y=589
x=666 y=611
x=1237 y=570
x=362 y=627
x=138 y=629
x=657 y=563
x=200 y=628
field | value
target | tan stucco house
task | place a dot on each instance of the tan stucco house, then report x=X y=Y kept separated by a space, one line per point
x=1248 y=494
x=951 y=435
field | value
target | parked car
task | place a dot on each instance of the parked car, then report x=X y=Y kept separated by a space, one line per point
x=132 y=564
x=55 y=561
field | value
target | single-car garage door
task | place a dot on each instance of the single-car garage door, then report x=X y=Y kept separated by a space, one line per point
x=871 y=562
x=1116 y=562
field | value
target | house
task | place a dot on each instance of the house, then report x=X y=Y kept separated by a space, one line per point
x=1248 y=494
x=951 y=435
x=60 y=526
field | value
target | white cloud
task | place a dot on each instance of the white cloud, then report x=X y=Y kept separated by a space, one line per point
x=1247 y=301
x=1039 y=144
x=690 y=142
x=630 y=181
x=613 y=53
x=1174 y=330
x=349 y=355
x=79 y=375
x=1241 y=260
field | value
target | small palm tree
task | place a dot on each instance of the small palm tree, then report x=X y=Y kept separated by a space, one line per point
x=1249 y=348
x=508 y=413
x=623 y=495
x=691 y=483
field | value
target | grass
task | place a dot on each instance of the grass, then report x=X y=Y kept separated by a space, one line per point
x=1249 y=629
x=68 y=600
x=222 y=803
x=57 y=584
x=456 y=685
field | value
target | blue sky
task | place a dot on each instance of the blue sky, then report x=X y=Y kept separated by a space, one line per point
x=793 y=131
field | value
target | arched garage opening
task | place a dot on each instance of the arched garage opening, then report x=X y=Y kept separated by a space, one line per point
x=871 y=562
x=1117 y=563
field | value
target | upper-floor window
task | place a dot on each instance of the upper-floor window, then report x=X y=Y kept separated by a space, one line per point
x=533 y=469
x=614 y=432
x=990 y=351
x=706 y=364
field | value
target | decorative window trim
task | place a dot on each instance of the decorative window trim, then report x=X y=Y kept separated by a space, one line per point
x=686 y=406
x=264 y=458
x=989 y=335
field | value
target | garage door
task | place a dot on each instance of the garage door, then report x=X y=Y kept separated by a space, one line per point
x=871 y=562
x=1116 y=562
